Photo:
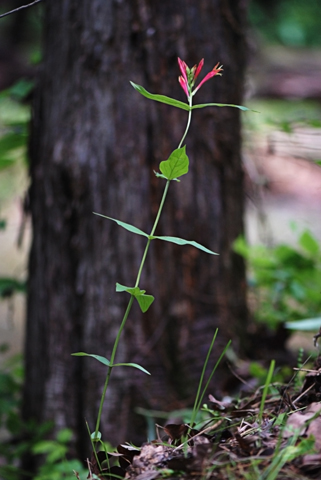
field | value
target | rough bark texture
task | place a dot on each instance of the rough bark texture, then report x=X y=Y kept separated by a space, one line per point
x=95 y=143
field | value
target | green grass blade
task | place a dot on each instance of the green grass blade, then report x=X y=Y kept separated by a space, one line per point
x=212 y=373
x=198 y=394
x=266 y=388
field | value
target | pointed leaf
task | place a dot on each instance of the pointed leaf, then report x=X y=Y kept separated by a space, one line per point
x=182 y=105
x=181 y=241
x=144 y=301
x=126 y=226
x=202 y=105
x=132 y=290
x=160 y=98
x=100 y=359
x=134 y=365
x=176 y=165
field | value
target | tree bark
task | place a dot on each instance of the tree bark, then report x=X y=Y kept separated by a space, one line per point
x=94 y=145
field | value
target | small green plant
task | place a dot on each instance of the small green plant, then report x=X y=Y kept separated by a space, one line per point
x=14 y=120
x=284 y=281
x=11 y=381
x=169 y=170
x=14 y=443
x=294 y=449
x=56 y=466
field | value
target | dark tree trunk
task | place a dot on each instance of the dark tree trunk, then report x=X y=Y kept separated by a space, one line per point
x=95 y=143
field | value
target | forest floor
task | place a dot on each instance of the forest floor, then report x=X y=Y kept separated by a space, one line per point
x=273 y=433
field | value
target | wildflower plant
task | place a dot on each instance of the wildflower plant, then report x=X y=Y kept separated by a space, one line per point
x=170 y=170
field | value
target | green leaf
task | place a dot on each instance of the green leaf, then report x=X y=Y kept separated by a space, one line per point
x=12 y=140
x=126 y=226
x=160 y=98
x=95 y=436
x=134 y=365
x=144 y=301
x=9 y=144
x=241 y=247
x=106 y=362
x=182 y=105
x=44 y=446
x=9 y=286
x=202 y=105
x=308 y=324
x=176 y=165
x=132 y=290
x=181 y=241
x=65 y=435
x=22 y=89
x=100 y=359
x=309 y=243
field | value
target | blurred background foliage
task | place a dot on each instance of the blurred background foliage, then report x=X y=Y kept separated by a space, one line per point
x=292 y=23
x=284 y=281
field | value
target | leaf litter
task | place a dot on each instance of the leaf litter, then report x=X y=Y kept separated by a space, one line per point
x=237 y=442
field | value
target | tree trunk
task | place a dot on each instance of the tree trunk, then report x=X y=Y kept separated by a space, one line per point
x=94 y=145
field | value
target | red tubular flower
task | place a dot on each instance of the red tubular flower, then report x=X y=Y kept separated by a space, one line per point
x=198 y=69
x=189 y=75
x=183 y=84
x=216 y=71
x=184 y=68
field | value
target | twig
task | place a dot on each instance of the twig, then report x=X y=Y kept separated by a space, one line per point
x=303 y=393
x=315 y=338
x=208 y=429
x=315 y=372
x=20 y=8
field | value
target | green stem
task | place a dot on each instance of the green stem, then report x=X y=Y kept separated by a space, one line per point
x=112 y=358
x=190 y=100
x=130 y=303
x=152 y=232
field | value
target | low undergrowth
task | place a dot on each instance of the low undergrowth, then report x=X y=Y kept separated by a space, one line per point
x=272 y=433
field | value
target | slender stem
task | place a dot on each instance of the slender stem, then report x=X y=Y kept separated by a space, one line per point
x=130 y=303
x=190 y=100
x=152 y=232
x=112 y=358
x=142 y=262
